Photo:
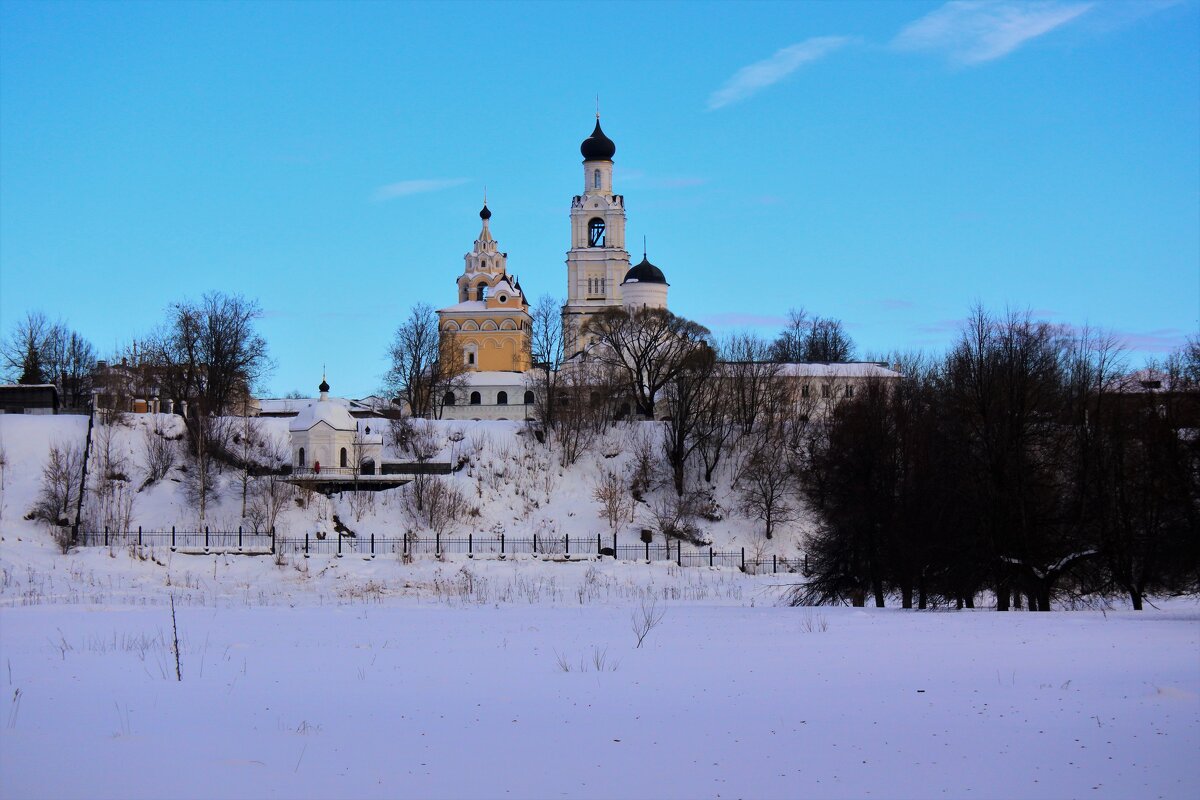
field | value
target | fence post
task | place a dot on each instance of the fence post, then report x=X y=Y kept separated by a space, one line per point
x=139 y=535
x=404 y=545
x=339 y=552
x=306 y=544
x=172 y=537
x=239 y=537
x=567 y=543
x=106 y=536
x=710 y=557
x=679 y=553
x=535 y=542
x=614 y=547
x=774 y=564
x=470 y=544
x=437 y=544
x=205 y=537
x=743 y=559
x=597 y=545
x=502 y=544
x=647 y=551
x=272 y=540
x=372 y=545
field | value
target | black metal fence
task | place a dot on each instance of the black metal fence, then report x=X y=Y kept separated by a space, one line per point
x=181 y=539
x=470 y=545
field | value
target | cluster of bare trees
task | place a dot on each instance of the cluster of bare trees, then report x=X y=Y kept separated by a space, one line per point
x=208 y=353
x=1025 y=463
x=38 y=351
x=814 y=338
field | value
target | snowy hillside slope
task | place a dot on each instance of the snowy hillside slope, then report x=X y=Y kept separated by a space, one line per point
x=512 y=484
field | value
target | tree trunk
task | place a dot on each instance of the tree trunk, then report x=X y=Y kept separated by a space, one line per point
x=1136 y=598
x=906 y=594
x=1002 y=598
x=878 y=588
x=858 y=598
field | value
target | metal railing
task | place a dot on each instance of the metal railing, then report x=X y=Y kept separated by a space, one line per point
x=470 y=545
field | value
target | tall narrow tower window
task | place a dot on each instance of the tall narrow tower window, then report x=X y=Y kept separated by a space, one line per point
x=596 y=233
x=596 y=179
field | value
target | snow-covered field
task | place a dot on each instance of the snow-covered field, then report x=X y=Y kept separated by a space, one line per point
x=328 y=677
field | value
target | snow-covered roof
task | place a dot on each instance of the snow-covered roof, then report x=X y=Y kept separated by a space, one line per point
x=280 y=406
x=466 y=305
x=853 y=369
x=334 y=412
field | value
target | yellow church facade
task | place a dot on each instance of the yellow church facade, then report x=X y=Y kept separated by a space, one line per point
x=489 y=327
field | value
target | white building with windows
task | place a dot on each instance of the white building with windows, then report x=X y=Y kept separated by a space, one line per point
x=326 y=437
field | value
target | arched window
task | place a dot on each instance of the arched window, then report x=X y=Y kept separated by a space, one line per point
x=448 y=399
x=367 y=467
x=596 y=233
x=482 y=292
x=343 y=460
x=596 y=179
x=501 y=398
x=528 y=398
x=483 y=265
x=300 y=458
x=476 y=399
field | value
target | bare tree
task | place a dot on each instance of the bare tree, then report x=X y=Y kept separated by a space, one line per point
x=828 y=341
x=791 y=344
x=270 y=493
x=24 y=351
x=158 y=452
x=689 y=391
x=752 y=378
x=612 y=493
x=646 y=348
x=427 y=369
x=547 y=345
x=765 y=482
x=59 y=492
x=585 y=394
x=209 y=353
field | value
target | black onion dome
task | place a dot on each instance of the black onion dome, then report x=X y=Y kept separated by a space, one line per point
x=645 y=272
x=324 y=387
x=485 y=215
x=598 y=147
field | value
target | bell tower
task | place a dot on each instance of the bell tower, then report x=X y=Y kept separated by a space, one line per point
x=597 y=260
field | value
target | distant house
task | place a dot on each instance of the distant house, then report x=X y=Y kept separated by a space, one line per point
x=39 y=398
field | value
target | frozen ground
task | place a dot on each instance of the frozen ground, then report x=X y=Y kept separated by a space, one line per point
x=491 y=679
x=329 y=677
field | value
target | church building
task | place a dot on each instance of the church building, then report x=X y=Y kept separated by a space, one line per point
x=489 y=326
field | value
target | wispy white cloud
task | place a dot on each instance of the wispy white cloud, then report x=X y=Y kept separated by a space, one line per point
x=974 y=31
x=755 y=77
x=404 y=188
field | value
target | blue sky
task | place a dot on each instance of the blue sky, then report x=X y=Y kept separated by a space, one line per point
x=889 y=164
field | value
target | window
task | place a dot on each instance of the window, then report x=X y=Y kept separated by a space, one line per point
x=502 y=298
x=596 y=179
x=471 y=357
x=825 y=390
x=481 y=292
x=804 y=390
x=476 y=399
x=501 y=398
x=448 y=399
x=849 y=390
x=596 y=233
x=343 y=458
x=300 y=458
x=528 y=398
x=483 y=265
